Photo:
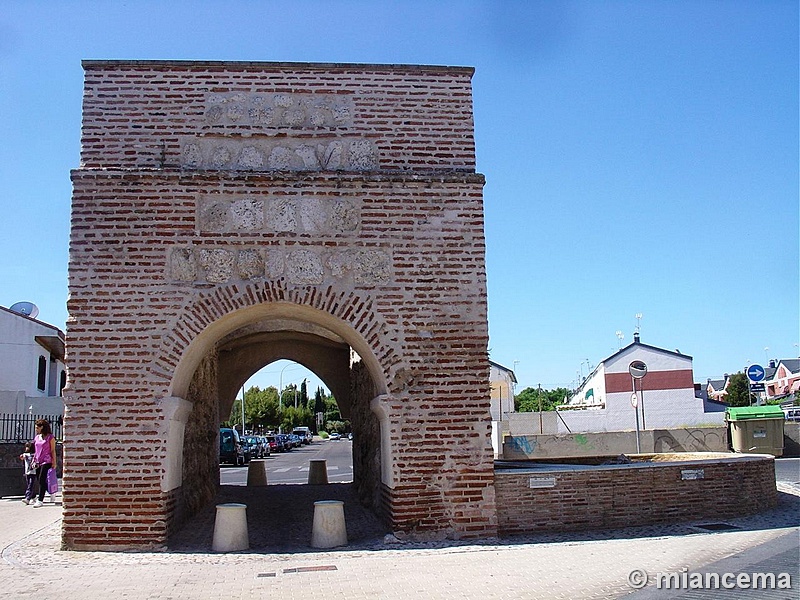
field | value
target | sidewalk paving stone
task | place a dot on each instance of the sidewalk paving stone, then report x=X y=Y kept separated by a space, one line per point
x=564 y=565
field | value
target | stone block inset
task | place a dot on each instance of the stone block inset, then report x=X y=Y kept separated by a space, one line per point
x=312 y=266
x=280 y=110
x=281 y=154
x=318 y=216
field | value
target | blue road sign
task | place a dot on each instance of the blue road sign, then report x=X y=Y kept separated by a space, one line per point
x=756 y=373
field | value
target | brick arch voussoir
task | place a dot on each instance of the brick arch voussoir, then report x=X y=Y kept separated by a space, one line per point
x=354 y=310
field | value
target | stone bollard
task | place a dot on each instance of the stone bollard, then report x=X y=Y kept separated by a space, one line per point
x=329 y=528
x=257 y=472
x=318 y=471
x=230 y=528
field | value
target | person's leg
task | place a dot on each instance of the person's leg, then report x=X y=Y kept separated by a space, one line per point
x=30 y=488
x=41 y=473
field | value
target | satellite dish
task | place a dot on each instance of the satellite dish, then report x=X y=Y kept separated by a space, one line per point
x=29 y=309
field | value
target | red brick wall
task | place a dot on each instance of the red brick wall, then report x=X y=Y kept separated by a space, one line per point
x=627 y=496
x=170 y=251
x=139 y=114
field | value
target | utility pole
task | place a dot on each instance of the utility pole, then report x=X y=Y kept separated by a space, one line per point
x=541 y=425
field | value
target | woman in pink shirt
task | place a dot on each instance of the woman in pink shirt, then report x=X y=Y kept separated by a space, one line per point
x=45 y=456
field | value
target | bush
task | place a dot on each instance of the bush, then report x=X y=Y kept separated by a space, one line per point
x=324 y=435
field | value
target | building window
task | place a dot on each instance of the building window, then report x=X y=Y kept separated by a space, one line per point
x=63 y=383
x=41 y=382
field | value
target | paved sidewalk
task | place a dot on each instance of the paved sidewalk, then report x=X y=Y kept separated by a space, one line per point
x=588 y=565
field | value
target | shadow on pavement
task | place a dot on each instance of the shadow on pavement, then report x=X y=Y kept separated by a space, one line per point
x=280 y=521
x=279 y=518
x=785 y=514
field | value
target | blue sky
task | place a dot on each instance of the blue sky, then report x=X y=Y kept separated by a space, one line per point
x=640 y=156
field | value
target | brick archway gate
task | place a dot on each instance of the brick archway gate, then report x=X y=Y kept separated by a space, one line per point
x=224 y=210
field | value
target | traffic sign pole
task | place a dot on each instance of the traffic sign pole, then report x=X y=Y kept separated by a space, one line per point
x=638 y=369
x=755 y=375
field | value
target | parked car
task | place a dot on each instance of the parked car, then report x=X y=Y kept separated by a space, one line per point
x=274 y=444
x=286 y=443
x=250 y=445
x=296 y=440
x=257 y=446
x=265 y=445
x=335 y=436
x=230 y=447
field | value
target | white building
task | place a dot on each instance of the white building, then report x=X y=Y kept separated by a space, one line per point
x=665 y=395
x=32 y=370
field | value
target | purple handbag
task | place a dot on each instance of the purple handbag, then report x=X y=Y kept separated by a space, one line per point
x=52 y=481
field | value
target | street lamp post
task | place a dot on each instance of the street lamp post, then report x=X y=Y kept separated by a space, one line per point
x=541 y=423
x=242 y=409
x=280 y=386
x=280 y=391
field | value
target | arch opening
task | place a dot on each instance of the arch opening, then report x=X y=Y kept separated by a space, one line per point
x=235 y=350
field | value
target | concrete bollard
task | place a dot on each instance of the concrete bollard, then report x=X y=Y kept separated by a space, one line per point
x=329 y=529
x=257 y=472
x=318 y=471
x=230 y=528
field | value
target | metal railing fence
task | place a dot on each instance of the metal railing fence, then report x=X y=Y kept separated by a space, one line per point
x=20 y=428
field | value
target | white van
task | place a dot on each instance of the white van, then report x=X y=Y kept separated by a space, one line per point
x=304 y=433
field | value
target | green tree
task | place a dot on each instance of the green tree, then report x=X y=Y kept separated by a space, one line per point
x=738 y=391
x=319 y=401
x=316 y=405
x=331 y=409
x=288 y=395
x=292 y=417
x=337 y=426
x=260 y=407
x=528 y=400
x=263 y=406
x=303 y=394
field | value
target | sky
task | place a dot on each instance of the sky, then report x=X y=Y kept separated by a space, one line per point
x=641 y=156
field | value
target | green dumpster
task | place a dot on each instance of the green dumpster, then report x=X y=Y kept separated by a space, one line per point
x=756 y=429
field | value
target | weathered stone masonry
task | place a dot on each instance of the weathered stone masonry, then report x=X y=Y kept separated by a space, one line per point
x=216 y=202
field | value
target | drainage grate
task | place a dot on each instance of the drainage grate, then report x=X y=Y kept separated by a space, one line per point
x=266 y=575
x=717 y=527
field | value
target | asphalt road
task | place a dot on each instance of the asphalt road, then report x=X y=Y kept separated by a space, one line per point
x=292 y=467
x=787 y=470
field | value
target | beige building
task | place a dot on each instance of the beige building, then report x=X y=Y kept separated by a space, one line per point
x=502 y=383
